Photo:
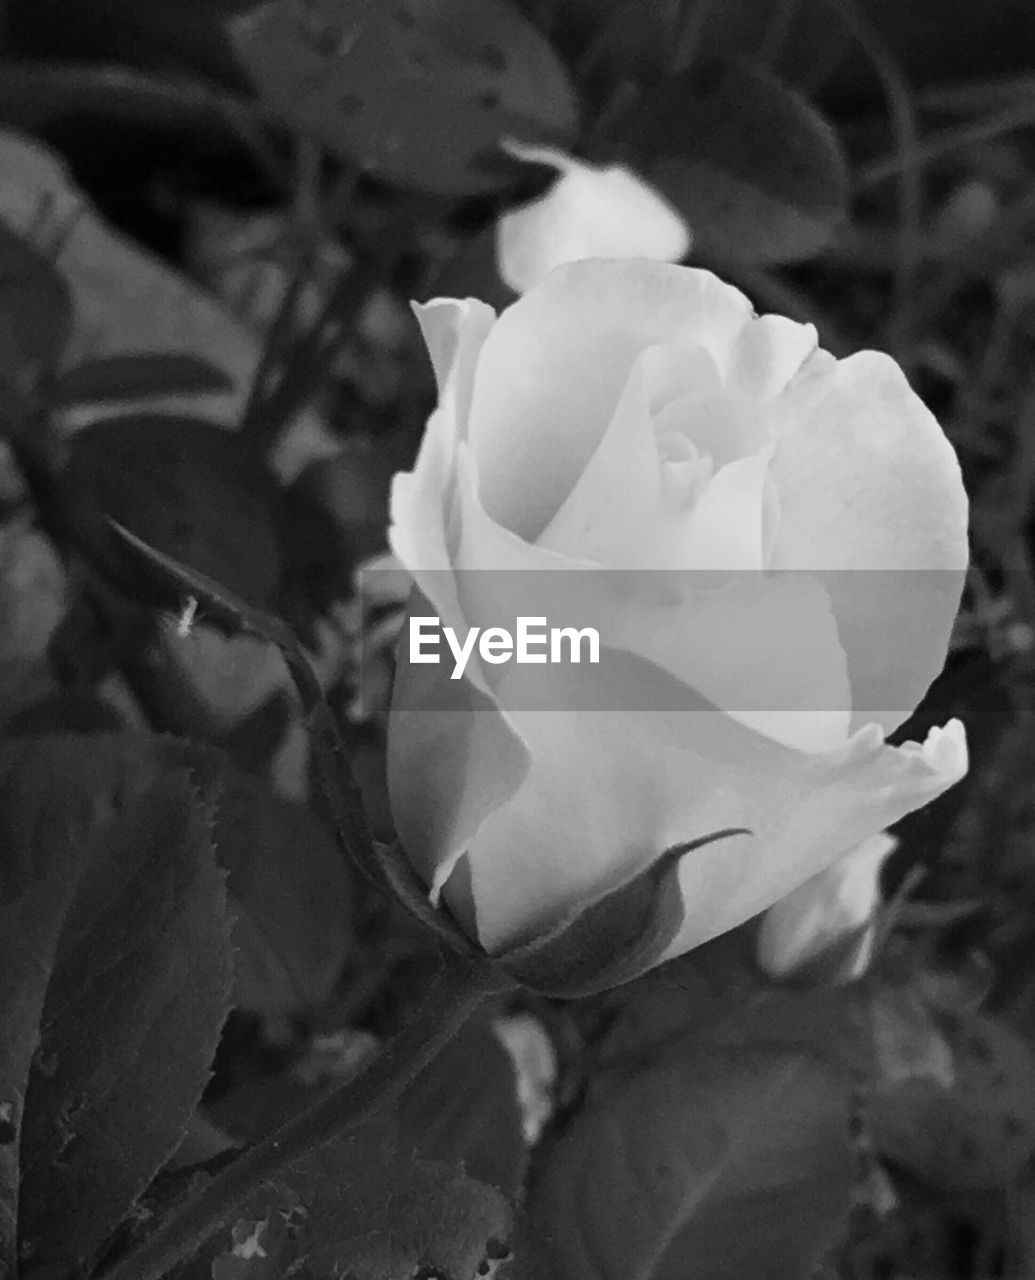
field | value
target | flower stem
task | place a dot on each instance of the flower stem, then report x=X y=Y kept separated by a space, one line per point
x=307 y=367
x=460 y=987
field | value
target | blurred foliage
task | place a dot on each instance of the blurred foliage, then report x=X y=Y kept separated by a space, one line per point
x=867 y=165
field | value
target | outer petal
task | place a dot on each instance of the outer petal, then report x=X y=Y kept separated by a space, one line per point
x=424 y=531
x=589 y=212
x=454 y=759
x=552 y=370
x=609 y=791
x=454 y=332
x=767 y=354
x=870 y=490
x=726 y=528
x=828 y=804
x=421 y=499
x=616 y=513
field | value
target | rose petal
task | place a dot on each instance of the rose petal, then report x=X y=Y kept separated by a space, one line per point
x=453 y=754
x=767 y=354
x=553 y=368
x=842 y=800
x=589 y=212
x=613 y=512
x=725 y=425
x=585 y=820
x=676 y=369
x=453 y=758
x=827 y=908
x=453 y=333
x=422 y=499
x=725 y=529
x=621 y=514
x=764 y=649
x=647 y=781
x=466 y=743
x=870 y=490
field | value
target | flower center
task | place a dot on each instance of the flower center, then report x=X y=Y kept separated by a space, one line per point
x=685 y=471
x=722 y=427
x=719 y=507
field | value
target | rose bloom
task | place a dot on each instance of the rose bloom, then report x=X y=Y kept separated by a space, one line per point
x=634 y=416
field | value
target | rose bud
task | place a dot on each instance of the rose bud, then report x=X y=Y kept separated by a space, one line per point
x=589 y=212
x=826 y=927
x=770 y=544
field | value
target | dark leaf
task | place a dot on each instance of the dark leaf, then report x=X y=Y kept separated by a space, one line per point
x=178 y=38
x=717 y=994
x=184 y=486
x=51 y=791
x=170 y=580
x=389 y=1222
x=720 y=1163
x=460 y=1110
x=630 y=46
x=66 y=713
x=201 y=684
x=134 y=1008
x=131 y=377
x=339 y=516
x=171 y=584
x=361 y=1207
x=111 y=95
x=755 y=170
x=411 y=893
x=33 y=591
x=35 y=312
x=961 y=1114
x=114 y=976
x=690 y=994
x=289 y=891
x=463 y=1110
x=420 y=91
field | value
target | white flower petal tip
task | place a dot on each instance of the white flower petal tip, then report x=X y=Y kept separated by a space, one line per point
x=590 y=212
x=448 y=308
x=832 y=910
x=945 y=750
x=531 y=153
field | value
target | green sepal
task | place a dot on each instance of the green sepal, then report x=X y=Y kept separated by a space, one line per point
x=617 y=938
x=410 y=892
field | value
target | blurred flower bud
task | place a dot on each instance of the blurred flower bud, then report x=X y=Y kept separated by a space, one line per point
x=967 y=213
x=827 y=924
x=589 y=212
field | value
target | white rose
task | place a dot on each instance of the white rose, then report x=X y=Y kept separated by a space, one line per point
x=591 y=211
x=832 y=914
x=632 y=416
